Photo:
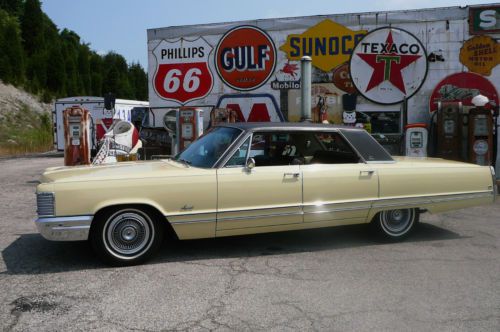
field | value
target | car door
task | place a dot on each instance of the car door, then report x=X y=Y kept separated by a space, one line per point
x=267 y=196
x=338 y=187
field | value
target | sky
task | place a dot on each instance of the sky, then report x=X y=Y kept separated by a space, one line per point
x=120 y=25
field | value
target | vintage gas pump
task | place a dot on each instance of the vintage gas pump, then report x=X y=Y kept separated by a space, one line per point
x=77 y=136
x=416 y=140
x=183 y=125
x=190 y=126
x=449 y=123
x=480 y=132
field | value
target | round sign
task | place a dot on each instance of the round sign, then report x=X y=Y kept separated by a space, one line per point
x=480 y=147
x=463 y=87
x=388 y=65
x=245 y=58
x=342 y=78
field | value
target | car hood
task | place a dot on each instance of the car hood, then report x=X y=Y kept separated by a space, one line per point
x=121 y=170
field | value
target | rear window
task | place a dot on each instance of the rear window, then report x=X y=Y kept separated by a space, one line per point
x=367 y=146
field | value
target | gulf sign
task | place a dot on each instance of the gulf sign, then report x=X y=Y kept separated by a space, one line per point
x=245 y=58
x=182 y=72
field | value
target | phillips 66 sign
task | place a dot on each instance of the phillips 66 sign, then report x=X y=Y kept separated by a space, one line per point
x=182 y=71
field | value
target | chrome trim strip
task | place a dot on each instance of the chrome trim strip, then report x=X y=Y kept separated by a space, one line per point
x=264 y=208
x=494 y=183
x=431 y=199
x=369 y=200
x=377 y=203
x=262 y=216
x=365 y=207
x=194 y=221
x=70 y=228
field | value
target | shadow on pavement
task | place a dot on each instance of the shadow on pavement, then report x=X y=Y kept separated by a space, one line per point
x=32 y=254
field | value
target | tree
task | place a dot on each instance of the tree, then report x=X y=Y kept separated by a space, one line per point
x=56 y=71
x=13 y=7
x=139 y=81
x=84 y=69
x=32 y=26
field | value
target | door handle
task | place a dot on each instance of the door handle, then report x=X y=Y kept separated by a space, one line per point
x=295 y=175
x=370 y=172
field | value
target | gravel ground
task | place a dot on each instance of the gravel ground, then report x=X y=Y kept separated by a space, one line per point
x=445 y=277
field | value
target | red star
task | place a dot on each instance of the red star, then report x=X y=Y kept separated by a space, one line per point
x=387 y=66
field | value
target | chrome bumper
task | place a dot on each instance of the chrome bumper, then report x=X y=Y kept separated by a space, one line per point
x=75 y=228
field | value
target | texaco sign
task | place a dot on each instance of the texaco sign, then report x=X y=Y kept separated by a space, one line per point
x=388 y=65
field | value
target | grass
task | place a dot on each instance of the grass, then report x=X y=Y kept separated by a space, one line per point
x=25 y=131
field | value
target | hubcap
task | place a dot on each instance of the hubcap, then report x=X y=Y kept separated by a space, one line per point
x=128 y=234
x=397 y=222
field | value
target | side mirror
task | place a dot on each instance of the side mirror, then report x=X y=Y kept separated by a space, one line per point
x=250 y=164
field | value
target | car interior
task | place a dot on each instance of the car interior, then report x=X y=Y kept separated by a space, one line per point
x=300 y=148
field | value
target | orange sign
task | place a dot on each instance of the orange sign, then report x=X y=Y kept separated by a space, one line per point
x=342 y=78
x=480 y=54
x=329 y=44
x=245 y=58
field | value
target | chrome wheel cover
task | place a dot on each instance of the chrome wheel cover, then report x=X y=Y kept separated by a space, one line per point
x=128 y=234
x=397 y=222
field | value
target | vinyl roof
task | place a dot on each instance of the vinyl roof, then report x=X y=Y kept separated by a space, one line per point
x=253 y=126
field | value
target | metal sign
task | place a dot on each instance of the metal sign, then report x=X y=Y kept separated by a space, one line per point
x=462 y=87
x=341 y=78
x=388 y=65
x=484 y=19
x=328 y=43
x=182 y=72
x=245 y=58
x=287 y=76
x=252 y=107
x=480 y=54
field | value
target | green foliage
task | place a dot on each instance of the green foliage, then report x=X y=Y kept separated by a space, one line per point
x=52 y=63
x=25 y=131
x=11 y=56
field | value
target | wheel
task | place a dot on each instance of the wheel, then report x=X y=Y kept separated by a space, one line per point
x=126 y=235
x=396 y=224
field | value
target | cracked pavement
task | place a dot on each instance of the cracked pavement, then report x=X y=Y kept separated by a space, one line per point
x=444 y=277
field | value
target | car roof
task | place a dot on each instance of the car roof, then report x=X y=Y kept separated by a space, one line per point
x=298 y=126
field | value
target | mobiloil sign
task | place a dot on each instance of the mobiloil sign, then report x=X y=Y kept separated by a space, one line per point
x=329 y=44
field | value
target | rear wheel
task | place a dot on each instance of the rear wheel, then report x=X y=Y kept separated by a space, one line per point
x=126 y=235
x=396 y=224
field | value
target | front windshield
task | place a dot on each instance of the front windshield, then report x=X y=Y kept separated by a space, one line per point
x=206 y=150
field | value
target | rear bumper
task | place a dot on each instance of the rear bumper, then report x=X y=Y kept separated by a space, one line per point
x=71 y=228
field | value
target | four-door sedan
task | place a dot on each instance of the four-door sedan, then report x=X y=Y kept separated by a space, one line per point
x=249 y=178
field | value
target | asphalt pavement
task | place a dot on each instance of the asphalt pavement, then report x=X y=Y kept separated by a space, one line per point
x=445 y=277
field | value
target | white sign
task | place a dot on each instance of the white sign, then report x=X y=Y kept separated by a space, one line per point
x=182 y=72
x=388 y=65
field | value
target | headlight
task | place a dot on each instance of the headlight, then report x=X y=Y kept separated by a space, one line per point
x=45 y=204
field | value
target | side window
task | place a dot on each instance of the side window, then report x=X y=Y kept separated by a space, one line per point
x=239 y=157
x=273 y=149
x=333 y=149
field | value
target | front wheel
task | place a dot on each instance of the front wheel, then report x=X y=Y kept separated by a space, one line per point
x=396 y=224
x=126 y=235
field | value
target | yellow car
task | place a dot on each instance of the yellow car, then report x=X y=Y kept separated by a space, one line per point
x=247 y=178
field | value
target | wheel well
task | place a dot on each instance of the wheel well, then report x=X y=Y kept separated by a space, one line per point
x=417 y=210
x=169 y=231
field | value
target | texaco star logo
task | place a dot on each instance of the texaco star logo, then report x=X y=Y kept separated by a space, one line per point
x=388 y=65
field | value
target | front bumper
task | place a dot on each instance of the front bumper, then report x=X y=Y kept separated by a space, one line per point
x=73 y=228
